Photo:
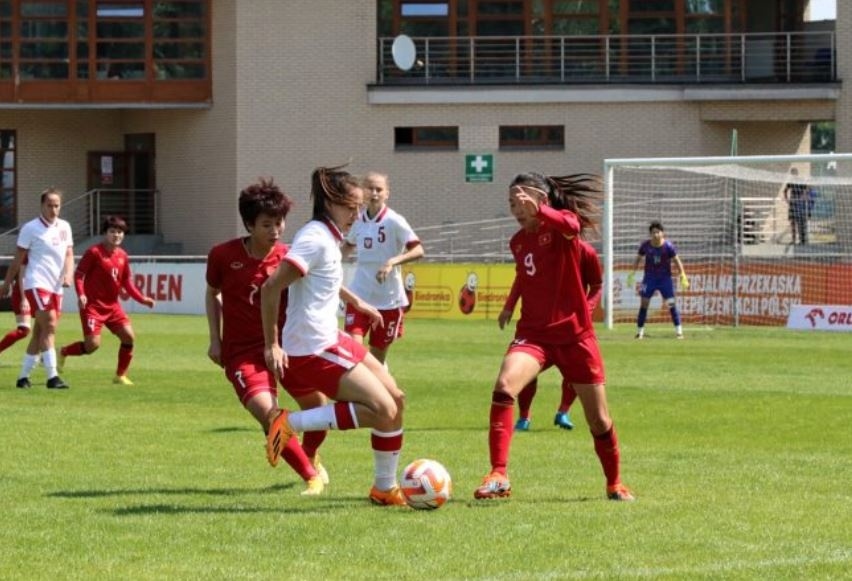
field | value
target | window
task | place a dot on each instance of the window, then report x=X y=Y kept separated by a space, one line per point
x=532 y=137
x=43 y=50
x=426 y=137
x=8 y=188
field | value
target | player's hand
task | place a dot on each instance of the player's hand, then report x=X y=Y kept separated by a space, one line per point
x=149 y=302
x=82 y=301
x=214 y=352
x=376 y=319
x=684 y=282
x=383 y=272
x=504 y=317
x=276 y=360
x=4 y=289
x=631 y=280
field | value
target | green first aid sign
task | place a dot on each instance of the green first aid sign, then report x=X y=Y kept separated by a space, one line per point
x=479 y=168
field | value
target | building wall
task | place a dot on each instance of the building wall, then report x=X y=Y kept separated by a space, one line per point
x=290 y=92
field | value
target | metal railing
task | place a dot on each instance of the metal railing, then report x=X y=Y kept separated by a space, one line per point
x=784 y=57
x=140 y=208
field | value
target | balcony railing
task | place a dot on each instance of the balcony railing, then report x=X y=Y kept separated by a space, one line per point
x=791 y=57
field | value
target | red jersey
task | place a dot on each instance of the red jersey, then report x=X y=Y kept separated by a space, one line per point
x=238 y=276
x=549 y=275
x=102 y=274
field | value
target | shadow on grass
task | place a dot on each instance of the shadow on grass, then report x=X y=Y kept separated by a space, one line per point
x=134 y=491
x=168 y=509
x=231 y=429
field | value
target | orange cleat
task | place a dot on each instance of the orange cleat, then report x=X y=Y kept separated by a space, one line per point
x=619 y=492
x=494 y=485
x=392 y=497
x=279 y=434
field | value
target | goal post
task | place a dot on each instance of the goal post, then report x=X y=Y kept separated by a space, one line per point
x=756 y=234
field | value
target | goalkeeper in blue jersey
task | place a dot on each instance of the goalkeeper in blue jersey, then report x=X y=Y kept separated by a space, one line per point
x=658 y=254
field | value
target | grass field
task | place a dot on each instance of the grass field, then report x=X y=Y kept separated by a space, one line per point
x=737 y=444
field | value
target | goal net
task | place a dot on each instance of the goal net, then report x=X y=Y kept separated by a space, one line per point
x=756 y=234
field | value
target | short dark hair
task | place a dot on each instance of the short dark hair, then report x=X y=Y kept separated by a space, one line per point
x=116 y=222
x=656 y=225
x=263 y=197
x=49 y=192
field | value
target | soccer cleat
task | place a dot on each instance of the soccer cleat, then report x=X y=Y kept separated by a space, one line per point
x=23 y=383
x=321 y=471
x=56 y=383
x=495 y=485
x=563 y=420
x=619 y=492
x=678 y=335
x=313 y=486
x=277 y=437
x=522 y=425
x=60 y=361
x=639 y=336
x=392 y=497
x=122 y=380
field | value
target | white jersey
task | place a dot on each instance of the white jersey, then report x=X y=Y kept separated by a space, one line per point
x=312 y=302
x=377 y=240
x=47 y=246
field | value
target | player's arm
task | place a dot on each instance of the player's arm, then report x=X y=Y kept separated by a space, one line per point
x=414 y=252
x=631 y=278
x=12 y=271
x=362 y=306
x=509 y=306
x=566 y=222
x=68 y=270
x=684 y=281
x=213 y=310
x=593 y=296
x=133 y=291
x=270 y=303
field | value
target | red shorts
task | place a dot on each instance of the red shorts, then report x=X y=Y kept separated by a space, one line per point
x=250 y=376
x=94 y=318
x=579 y=362
x=322 y=372
x=357 y=323
x=40 y=299
x=20 y=306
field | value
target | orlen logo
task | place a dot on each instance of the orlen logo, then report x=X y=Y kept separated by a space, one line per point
x=814 y=315
x=840 y=318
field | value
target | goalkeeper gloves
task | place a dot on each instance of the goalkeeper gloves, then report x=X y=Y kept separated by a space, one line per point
x=684 y=282
x=631 y=280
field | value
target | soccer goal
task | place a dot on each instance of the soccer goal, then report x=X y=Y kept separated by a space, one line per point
x=756 y=234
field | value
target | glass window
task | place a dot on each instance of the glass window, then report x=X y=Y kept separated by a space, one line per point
x=652 y=6
x=124 y=10
x=426 y=137
x=415 y=9
x=714 y=7
x=41 y=8
x=532 y=137
x=8 y=189
x=575 y=7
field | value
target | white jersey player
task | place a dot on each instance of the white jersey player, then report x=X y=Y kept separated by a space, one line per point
x=383 y=240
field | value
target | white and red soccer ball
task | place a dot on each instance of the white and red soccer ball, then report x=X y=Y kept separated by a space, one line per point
x=426 y=484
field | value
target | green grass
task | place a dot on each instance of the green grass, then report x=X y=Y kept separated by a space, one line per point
x=736 y=442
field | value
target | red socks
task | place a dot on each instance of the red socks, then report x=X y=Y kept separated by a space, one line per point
x=525 y=398
x=606 y=447
x=13 y=337
x=500 y=431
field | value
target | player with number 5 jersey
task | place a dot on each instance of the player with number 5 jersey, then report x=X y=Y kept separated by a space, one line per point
x=383 y=241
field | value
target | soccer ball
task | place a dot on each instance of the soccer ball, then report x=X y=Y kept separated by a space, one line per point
x=426 y=484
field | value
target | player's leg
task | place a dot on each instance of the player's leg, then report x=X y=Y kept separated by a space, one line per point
x=582 y=365
x=91 y=324
x=525 y=399
x=21 y=331
x=311 y=441
x=667 y=291
x=643 y=312
x=47 y=316
x=381 y=338
x=562 y=418
x=127 y=339
x=30 y=359
x=521 y=364
x=367 y=397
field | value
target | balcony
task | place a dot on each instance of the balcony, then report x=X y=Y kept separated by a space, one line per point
x=769 y=58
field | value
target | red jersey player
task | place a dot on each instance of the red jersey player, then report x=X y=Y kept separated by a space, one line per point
x=101 y=275
x=555 y=327
x=590 y=271
x=21 y=309
x=236 y=270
